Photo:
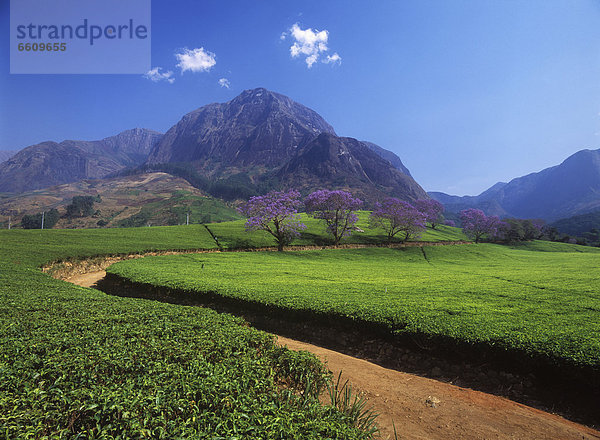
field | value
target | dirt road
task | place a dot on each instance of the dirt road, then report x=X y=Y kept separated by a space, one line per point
x=424 y=408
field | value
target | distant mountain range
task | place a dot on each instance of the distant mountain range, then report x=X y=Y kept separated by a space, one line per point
x=50 y=163
x=568 y=189
x=262 y=138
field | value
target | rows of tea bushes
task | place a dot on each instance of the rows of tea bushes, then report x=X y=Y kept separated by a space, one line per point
x=539 y=298
x=76 y=363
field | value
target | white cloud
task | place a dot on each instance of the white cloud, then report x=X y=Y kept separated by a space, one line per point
x=224 y=82
x=335 y=58
x=195 y=60
x=155 y=75
x=310 y=44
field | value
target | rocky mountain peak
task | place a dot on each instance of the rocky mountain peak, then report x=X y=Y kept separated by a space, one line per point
x=257 y=128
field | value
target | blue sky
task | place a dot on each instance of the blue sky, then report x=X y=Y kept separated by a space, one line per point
x=467 y=93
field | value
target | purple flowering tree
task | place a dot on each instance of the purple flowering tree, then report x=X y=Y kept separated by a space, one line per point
x=336 y=208
x=275 y=213
x=450 y=223
x=432 y=209
x=397 y=216
x=476 y=224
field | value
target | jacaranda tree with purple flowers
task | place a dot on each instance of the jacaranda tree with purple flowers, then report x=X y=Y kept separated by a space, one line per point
x=397 y=216
x=275 y=213
x=336 y=208
x=432 y=209
x=476 y=224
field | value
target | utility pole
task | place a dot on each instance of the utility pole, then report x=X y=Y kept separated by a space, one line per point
x=187 y=218
x=43 y=213
x=9 y=221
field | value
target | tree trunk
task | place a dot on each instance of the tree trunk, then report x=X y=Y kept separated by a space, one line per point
x=280 y=246
x=336 y=239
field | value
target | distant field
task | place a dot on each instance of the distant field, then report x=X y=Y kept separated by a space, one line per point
x=539 y=297
x=77 y=363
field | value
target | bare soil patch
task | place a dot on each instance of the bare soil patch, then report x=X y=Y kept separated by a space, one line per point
x=422 y=408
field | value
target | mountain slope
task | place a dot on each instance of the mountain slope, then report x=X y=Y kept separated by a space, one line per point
x=578 y=225
x=568 y=189
x=6 y=154
x=346 y=163
x=140 y=200
x=387 y=155
x=50 y=163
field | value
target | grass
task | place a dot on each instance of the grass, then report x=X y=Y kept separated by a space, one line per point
x=540 y=298
x=76 y=363
x=33 y=248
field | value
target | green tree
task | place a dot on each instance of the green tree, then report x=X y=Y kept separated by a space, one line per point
x=35 y=221
x=82 y=206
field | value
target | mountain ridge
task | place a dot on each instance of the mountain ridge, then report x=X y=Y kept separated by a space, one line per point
x=569 y=188
x=50 y=163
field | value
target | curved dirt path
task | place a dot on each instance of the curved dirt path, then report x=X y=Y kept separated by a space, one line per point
x=425 y=409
